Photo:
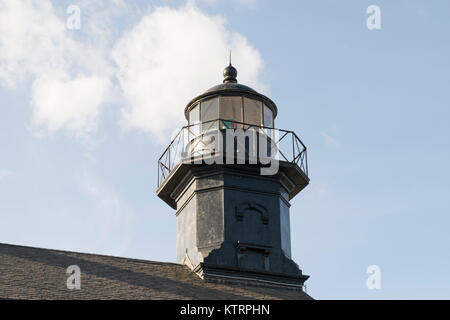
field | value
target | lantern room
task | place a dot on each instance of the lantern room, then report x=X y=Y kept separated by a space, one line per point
x=230 y=105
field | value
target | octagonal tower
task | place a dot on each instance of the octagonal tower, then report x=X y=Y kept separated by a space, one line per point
x=230 y=175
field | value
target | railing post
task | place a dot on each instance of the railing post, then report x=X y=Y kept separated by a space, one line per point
x=293 y=147
x=306 y=158
x=169 y=157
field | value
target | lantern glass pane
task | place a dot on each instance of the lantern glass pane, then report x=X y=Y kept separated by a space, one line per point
x=194 y=119
x=252 y=111
x=231 y=111
x=209 y=110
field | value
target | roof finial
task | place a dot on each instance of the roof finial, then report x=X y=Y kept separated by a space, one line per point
x=229 y=73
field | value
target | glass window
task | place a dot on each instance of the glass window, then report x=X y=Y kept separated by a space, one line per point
x=267 y=120
x=194 y=115
x=230 y=111
x=268 y=117
x=194 y=120
x=252 y=111
x=209 y=110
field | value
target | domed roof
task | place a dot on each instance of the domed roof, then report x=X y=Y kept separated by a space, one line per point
x=230 y=86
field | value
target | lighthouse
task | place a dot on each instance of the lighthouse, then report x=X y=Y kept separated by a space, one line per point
x=230 y=175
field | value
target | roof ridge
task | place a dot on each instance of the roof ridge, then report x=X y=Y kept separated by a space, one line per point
x=91 y=254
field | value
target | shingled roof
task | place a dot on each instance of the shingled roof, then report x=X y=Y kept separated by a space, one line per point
x=34 y=273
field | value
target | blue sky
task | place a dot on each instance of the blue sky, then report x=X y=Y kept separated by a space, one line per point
x=85 y=116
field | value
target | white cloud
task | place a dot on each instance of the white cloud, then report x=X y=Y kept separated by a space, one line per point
x=167 y=58
x=329 y=137
x=172 y=55
x=5 y=174
x=71 y=103
x=321 y=191
x=36 y=46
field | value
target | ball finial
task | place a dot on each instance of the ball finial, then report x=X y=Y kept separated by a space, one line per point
x=229 y=73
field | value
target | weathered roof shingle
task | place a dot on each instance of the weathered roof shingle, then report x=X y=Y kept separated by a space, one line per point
x=33 y=273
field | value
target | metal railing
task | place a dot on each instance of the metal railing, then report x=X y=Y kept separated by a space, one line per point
x=191 y=142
